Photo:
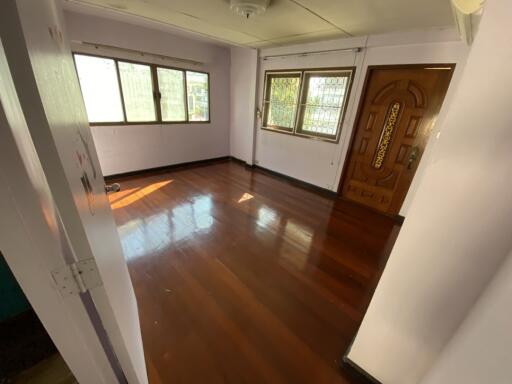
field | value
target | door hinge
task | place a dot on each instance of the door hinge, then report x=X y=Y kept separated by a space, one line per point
x=77 y=278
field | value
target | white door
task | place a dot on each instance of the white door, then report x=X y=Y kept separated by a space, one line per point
x=40 y=63
x=33 y=247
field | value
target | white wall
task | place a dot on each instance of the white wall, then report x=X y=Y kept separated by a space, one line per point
x=321 y=163
x=457 y=231
x=481 y=349
x=244 y=62
x=129 y=148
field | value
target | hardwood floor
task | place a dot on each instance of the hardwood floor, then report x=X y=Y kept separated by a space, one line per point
x=243 y=277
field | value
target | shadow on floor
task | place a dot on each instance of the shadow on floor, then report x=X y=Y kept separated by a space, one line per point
x=52 y=370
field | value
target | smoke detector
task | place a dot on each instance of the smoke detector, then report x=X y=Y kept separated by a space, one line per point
x=249 y=8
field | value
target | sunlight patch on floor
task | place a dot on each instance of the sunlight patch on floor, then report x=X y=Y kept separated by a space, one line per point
x=136 y=194
x=246 y=196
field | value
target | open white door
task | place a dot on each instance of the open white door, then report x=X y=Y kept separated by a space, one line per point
x=34 y=245
x=40 y=63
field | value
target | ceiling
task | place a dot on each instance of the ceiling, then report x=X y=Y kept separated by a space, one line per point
x=285 y=21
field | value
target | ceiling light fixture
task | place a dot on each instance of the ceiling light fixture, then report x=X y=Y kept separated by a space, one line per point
x=249 y=8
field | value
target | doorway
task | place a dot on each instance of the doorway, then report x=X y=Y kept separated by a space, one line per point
x=398 y=108
x=27 y=353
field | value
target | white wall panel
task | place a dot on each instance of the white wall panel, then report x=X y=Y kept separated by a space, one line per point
x=244 y=63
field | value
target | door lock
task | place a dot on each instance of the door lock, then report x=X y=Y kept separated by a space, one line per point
x=415 y=151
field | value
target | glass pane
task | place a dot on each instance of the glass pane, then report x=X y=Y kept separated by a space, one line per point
x=100 y=89
x=282 y=101
x=197 y=96
x=324 y=102
x=172 y=88
x=137 y=92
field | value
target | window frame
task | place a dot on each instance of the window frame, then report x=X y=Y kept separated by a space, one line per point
x=185 y=95
x=266 y=99
x=118 y=79
x=302 y=98
x=156 y=92
x=153 y=90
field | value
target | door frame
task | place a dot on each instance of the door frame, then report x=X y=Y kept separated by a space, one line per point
x=362 y=96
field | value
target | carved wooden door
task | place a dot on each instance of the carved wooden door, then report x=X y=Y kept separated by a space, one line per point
x=398 y=108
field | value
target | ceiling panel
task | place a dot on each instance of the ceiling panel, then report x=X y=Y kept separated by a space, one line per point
x=362 y=17
x=270 y=25
x=286 y=21
x=214 y=18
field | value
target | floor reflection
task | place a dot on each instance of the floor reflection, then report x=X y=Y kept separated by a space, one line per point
x=293 y=237
x=296 y=245
x=267 y=217
x=299 y=235
x=145 y=236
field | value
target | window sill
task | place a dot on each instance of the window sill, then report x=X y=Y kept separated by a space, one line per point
x=120 y=124
x=303 y=135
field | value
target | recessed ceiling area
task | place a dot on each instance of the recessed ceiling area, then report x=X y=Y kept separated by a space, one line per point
x=286 y=21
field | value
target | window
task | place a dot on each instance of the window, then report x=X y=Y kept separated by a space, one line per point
x=137 y=87
x=171 y=83
x=281 y=99
x=100 y=89
x=121 y=92
x=198 y=100
x=322 y=93
x=324 y=99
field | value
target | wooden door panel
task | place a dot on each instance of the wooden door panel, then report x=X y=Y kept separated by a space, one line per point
x=399 y=106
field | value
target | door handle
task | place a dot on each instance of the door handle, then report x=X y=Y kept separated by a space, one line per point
x=415 y=151
x=116 y=187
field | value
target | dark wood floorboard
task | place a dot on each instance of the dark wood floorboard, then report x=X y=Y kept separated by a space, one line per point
x=244 y=277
